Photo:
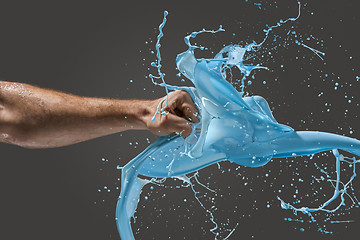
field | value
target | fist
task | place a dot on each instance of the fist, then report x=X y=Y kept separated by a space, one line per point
x=180 y=111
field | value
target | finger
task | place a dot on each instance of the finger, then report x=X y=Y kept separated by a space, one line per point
x=186 y=105
x=178 y=124
x=190 y=111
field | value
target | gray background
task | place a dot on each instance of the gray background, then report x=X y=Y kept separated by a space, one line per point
x=95 y=48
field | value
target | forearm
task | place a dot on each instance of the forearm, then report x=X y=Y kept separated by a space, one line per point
x=39 y=118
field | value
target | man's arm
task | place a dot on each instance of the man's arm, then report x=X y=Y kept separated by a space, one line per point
x=33 y=117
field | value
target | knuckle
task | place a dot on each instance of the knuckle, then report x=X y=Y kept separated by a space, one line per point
x=183 y=93
x=186 y=94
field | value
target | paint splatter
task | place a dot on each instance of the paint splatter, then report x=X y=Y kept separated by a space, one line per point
x=235 y=127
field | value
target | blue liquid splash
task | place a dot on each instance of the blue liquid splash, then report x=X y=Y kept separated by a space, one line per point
x=158 y=67
x=235 y=128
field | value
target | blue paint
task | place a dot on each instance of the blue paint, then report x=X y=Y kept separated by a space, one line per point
x=233 y=128
x=158 y=66
x=317 y=52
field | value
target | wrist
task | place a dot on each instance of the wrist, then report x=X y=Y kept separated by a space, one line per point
x=143 y=114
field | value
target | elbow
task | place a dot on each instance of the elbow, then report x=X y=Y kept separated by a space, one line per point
x=28 y=137
x=22 y=139
x=16 y=127
x=16 y=135
x=14 y=131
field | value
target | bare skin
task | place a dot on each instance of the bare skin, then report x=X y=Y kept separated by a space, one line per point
x=33 y=117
